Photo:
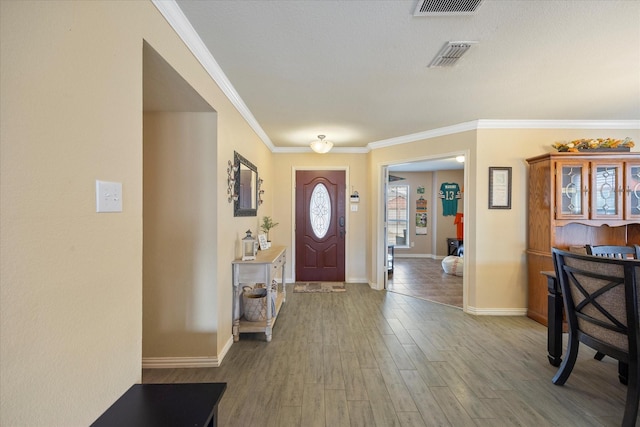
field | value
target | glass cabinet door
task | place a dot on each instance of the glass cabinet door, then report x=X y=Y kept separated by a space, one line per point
x=606 y=191
x=571 y=190
x=632 y=191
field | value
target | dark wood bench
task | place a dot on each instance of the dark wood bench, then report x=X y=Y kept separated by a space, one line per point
x=165 y=405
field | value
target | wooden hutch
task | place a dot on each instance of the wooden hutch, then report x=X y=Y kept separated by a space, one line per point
x=577 y=199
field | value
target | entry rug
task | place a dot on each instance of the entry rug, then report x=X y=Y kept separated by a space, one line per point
x=316 y=287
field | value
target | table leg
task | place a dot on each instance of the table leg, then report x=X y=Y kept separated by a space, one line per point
x=235 y=328
x=554 y=325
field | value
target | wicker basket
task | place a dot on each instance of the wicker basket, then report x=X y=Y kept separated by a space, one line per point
x=254 y=301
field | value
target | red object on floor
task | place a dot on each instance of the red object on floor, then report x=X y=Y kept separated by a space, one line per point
x=459 y=222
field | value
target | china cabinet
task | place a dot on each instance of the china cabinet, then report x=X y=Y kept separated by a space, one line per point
x=265 y=270
x=576 y=199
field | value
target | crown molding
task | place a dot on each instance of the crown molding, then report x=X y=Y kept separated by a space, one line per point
x=507 y=124
x=181 y=25
x=558 y=124
x=434 y=133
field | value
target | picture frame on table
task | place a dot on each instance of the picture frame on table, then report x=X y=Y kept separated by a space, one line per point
x=262 y=239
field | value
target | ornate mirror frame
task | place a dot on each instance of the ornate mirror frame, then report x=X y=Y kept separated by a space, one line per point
x=246 y=187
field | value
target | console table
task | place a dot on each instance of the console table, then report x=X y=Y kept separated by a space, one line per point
x=266 y=268
x=165 y=405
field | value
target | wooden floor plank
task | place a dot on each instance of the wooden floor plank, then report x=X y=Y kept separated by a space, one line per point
x=431 y=412
x=360 y=413
x=411 y=419
x=354 y=383
x=289 y=416
x=333 y=376
x=313 y=406
x=401 y=398
x=336 y=408
x=452 y=408
x=381 y=405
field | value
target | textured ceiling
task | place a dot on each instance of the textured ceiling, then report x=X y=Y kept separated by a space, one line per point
x=357 y=71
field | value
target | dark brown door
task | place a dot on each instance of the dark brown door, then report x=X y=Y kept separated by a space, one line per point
x=320 y=226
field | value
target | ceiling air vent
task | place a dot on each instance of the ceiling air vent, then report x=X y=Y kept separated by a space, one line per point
x=450 y=53
x=446 y=7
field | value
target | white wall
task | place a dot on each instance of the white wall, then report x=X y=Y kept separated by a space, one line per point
x=180 y=259
x=71 y=78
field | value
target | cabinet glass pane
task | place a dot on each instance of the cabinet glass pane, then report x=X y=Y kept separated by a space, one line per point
x=605 y=190
x=571 y=203
x=633 y=187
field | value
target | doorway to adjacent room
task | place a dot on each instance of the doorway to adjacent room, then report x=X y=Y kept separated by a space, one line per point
x=417 y=200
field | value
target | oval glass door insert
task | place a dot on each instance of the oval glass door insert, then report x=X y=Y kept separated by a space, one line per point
x=320 y=210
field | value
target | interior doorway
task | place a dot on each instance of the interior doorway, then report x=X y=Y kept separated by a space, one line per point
x=421 y=216
x=179 y=163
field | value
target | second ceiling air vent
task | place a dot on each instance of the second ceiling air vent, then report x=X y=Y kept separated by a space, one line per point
x=446 y=7
x=450 y=53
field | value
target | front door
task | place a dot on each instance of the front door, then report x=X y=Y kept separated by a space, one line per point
x=320 y=226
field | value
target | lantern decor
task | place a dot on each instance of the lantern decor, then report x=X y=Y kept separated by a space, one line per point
x=249 y=247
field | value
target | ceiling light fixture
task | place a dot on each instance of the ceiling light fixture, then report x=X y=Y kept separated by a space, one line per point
x=320 y=145
x=460 y=159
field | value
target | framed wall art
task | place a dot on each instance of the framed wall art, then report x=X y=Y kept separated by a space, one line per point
x=499 y=187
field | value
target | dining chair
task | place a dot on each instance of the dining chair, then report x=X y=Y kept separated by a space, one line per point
x=613 y=251
x=601 y=302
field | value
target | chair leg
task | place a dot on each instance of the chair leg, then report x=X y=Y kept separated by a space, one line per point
x=633 y=396
x=569 y=361
x=599 y=356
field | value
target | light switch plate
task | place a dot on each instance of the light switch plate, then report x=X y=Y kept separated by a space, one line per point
x=108 y=196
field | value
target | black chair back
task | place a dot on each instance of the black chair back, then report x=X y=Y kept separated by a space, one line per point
x=611 y=251
x=601 y=303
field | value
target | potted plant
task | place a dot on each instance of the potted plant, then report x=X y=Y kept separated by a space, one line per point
x=266 y=226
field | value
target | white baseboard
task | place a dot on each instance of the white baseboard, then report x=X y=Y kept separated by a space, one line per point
x=401 y=255
x=225 y=349
x=187 y=362
x=374 y=286
x=496 y=311
x=179 y=362
x=425 y=256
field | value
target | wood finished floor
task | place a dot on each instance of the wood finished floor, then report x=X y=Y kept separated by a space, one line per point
x=377 y=358
x=424 y=278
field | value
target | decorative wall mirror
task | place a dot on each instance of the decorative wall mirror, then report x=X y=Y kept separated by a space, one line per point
x=246 y=187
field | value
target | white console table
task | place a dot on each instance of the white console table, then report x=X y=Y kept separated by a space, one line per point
x=267 y=267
